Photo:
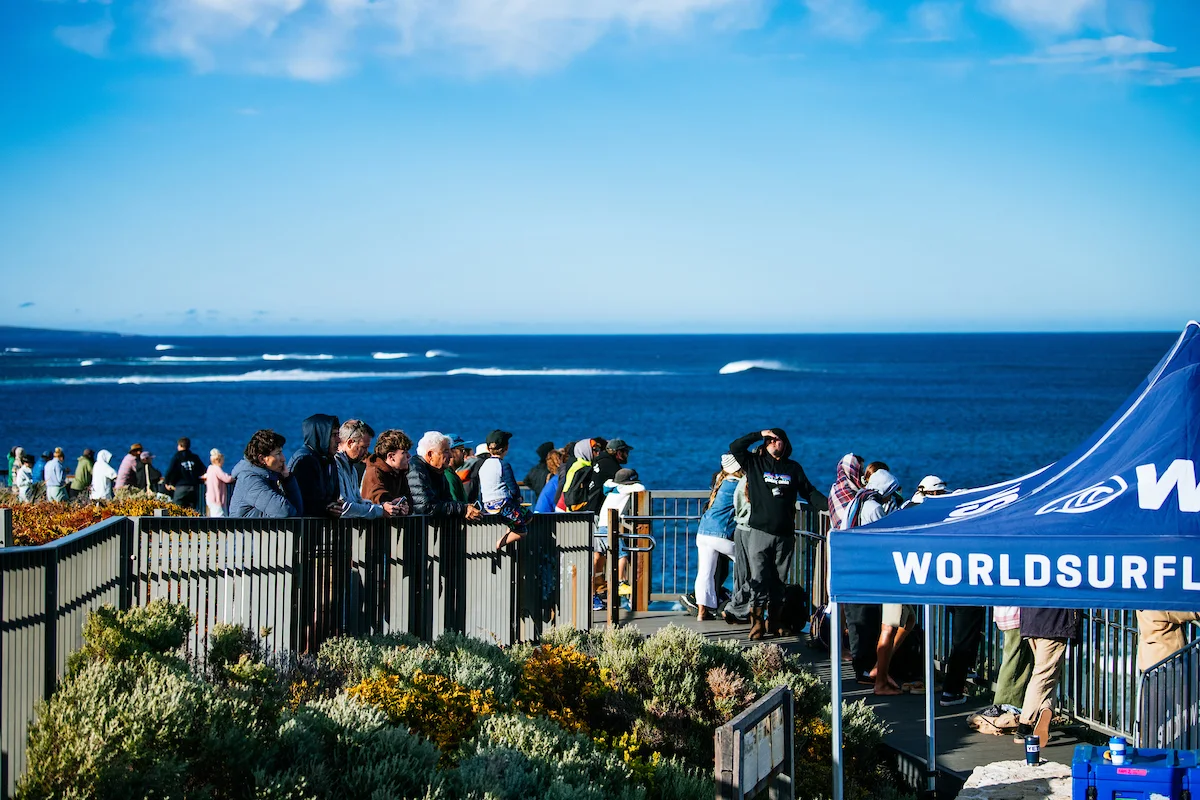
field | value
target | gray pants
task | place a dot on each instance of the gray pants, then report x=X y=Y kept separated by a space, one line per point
x=760 y=568
x=56 y=494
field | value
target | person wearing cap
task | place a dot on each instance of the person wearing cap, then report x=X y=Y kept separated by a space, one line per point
x=23 y=480
x=459 y=449
x=714 y=535
x=604 y=468
x=56 y=477
x=499 y=491
x=147 y=480
x=82 y=481
x=930 y=486
x=536 y=478
x=617 y=492
x=468 y=473
x=128 y=467
x=774 y=482
x=39 y=469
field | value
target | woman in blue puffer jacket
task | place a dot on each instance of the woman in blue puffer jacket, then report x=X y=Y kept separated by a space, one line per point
x=262 y=486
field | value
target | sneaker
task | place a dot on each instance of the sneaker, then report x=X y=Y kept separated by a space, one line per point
x=624 y=588
x=689 y=602
x=598 y=603
x=1023 y=730
x=948 y=699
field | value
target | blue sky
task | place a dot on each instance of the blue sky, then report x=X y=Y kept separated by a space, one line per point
x=395 y=166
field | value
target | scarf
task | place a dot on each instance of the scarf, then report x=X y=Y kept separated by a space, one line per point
x=844 y=489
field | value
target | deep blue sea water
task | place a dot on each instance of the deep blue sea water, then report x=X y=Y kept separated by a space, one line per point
x=971 y=408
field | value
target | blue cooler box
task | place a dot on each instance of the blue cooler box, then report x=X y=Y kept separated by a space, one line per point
x=1146 y=775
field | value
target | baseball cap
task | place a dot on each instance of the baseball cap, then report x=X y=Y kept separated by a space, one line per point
x=626 y=476
x=931 y=483
x=46 y=455
x=499 y=437
x=481 y=448
x=458 y=441
x=618 y=444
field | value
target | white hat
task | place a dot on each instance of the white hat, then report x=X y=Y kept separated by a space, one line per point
x=481 y=448
x=931 y=483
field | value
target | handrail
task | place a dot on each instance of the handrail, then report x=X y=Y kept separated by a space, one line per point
x=1168 y=694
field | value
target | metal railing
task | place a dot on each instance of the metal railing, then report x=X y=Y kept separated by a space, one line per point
x=300 y=580
x=1169 y=701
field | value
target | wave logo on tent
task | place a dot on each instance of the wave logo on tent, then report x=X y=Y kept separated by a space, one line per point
x=1089 y=499
x=986 y=505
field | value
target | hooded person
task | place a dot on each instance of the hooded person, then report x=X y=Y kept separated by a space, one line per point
x=880 y=497
x=313 y=466
x=605 y=467
x=774 y=482
x=536 y=478
x=103 y=476
x=846 y=485
x=574 y=483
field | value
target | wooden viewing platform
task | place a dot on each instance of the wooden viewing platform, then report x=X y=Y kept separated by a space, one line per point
x=959 y=749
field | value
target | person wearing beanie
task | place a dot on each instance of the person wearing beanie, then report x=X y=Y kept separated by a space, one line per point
x=536 y=478
x=714 y=535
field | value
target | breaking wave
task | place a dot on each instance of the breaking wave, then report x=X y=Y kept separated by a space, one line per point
x=440 y=354
x=20 y=350
x=164 y=347
x=296 y=357
x=254 y=376
x=734 y=367
x=390 y=356
x=497 y=372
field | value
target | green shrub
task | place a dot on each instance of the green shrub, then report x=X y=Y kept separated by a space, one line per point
x=620 y=657
x=355 y=659
x=141 y=727
x=341 y=748
x=157 y=629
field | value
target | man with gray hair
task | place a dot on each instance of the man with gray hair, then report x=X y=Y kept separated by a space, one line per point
x=426 y=480
x=355 y=444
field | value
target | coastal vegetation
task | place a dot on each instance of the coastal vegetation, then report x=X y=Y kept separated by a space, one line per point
x=39 y=523
x=580 y=715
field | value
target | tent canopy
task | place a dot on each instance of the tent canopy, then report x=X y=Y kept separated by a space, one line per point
x=1115 y=524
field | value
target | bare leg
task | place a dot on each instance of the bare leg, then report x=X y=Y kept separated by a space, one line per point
x=883 y=660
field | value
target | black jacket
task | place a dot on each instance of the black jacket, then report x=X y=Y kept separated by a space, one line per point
x=604 y=468
x=537 y=477
x=147 y=477
x=773 y=485
x=430 y=493
x=1050 y=623
x=313 y=467
x=185 y=469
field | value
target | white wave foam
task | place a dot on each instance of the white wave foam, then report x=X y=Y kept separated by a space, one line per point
x=254 y=376
x=440 y=354
x=195 y=359
x=164 y=347
x=86 y=363
x=734 y=367
x=497 y=372
x=390 y=356
x=296 y=357
x=17 y=350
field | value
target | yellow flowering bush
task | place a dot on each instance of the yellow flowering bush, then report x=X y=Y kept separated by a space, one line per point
x=432 y=705
x=560 y=683
x=39 y=523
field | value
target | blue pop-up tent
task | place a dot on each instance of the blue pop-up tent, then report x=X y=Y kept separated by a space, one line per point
x=1115 y=524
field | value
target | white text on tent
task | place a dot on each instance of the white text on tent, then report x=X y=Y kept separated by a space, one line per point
x=1069 y=571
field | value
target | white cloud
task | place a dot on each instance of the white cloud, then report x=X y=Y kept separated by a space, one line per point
x=323 y=39
x=934 y=21
x=1055 y=17
x=89 y=39
x=847 y=20
x=1078 y=51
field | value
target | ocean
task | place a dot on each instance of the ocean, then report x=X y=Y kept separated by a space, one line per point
x=971 y=408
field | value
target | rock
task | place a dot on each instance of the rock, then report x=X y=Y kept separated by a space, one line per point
x=1016 y=780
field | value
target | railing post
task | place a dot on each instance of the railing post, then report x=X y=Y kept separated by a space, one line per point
x=641 y=563
x=6 y=529
x=614 y=569
x=50 y=666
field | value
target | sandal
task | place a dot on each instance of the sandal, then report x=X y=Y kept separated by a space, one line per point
x=913 y=687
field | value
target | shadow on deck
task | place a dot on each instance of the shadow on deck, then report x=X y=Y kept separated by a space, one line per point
x=959 y=749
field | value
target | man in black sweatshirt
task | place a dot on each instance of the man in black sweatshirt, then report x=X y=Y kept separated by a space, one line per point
x=184 y=475
x=773 y=484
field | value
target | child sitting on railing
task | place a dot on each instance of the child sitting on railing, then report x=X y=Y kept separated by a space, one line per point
x=499 y=492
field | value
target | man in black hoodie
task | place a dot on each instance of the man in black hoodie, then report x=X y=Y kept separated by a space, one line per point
x=313 y=467
x=605 y=468
x=184 y=475
x=538 y=475
x=773 y=483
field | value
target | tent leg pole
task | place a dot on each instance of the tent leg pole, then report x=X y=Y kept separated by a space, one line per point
x=835 y=685
x=930 y=707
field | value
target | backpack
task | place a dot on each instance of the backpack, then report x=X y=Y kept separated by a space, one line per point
x=575 y=498
x=819 y=628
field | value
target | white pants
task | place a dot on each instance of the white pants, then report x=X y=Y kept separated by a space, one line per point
x=215 y=510
x=710 y=549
